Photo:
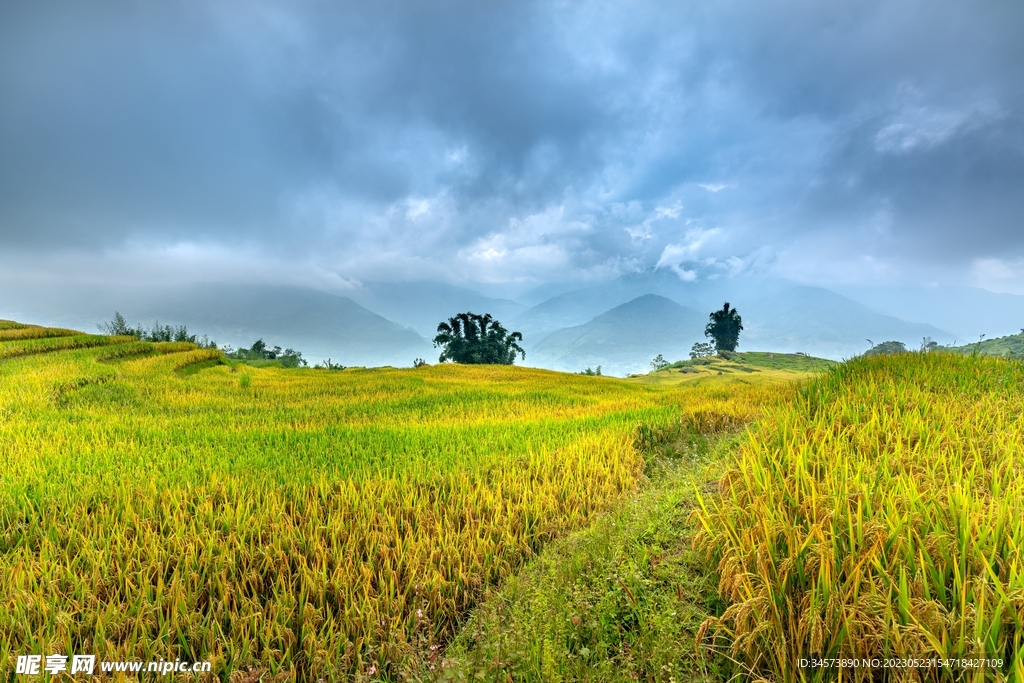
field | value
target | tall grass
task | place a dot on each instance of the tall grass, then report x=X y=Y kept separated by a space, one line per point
x=879 y=515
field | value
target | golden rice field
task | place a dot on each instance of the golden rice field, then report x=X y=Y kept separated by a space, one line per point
x=311 y=524
x=879 y=515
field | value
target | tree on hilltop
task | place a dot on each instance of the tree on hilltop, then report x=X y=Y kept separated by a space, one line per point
x=724 y=328
x=477 y=339
x=886 y=348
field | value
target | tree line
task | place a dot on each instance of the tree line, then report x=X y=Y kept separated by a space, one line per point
x=119 y=327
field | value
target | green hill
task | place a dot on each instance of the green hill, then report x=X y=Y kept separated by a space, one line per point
x=1010 y=346
x=756 y=365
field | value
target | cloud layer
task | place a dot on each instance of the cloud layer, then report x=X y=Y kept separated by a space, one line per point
x=511 y=141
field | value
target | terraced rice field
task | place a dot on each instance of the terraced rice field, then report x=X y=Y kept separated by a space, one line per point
x=157 y=503
x=296 y=524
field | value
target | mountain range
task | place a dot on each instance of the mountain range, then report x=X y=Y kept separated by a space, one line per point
x=319 y=324
x=422 y=305
x=619 y=324
x=624 y=339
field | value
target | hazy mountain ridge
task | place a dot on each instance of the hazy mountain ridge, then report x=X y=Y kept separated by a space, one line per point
x=578 y=306
x=966 y=312
x=563 y=311
x=824 y=324
x=318 y=324
x=623 y=339
x=778 y=316
x=567 y=331
x=422 y=305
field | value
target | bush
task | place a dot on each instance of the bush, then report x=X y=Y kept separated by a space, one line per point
x=886 y=348
x=702 y=350
x=289 y=358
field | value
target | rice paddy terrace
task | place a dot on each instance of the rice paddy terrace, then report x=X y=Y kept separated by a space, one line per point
x=157 y=502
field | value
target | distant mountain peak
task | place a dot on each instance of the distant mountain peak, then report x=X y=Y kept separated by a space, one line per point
x=624 y=338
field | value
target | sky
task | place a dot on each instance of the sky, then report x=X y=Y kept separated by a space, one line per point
x=516 y=143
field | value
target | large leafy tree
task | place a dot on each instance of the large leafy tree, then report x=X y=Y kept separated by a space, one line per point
x=471 y=338
x=724 y=327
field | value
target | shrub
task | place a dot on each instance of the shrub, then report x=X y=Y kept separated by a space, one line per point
x=886 y=348
x=702 y=350
x=259 y=350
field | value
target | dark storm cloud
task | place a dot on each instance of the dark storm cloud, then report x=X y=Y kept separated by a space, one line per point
x=925 y=103
x=122 y=117
x=514 y=139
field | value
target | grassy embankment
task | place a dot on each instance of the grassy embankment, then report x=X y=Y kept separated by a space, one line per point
x=155 y=503
x=752 y=361
x=758 y=366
